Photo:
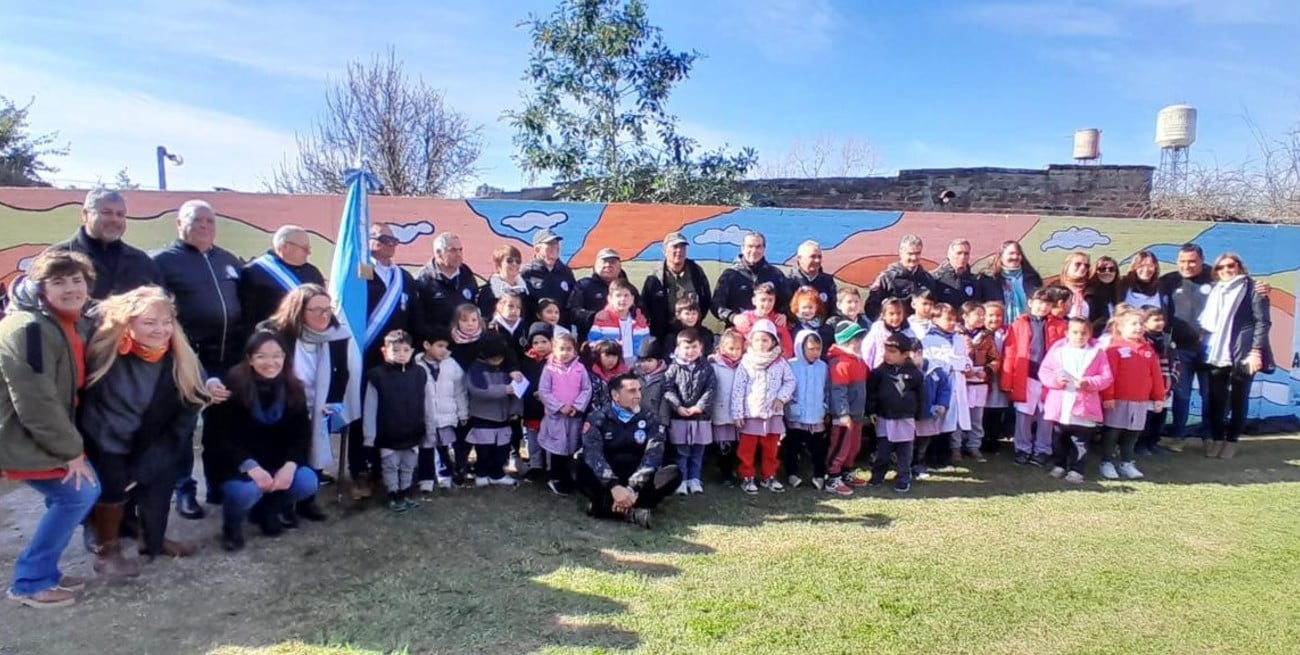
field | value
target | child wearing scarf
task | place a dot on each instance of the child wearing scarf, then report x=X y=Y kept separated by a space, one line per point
x=764 y=385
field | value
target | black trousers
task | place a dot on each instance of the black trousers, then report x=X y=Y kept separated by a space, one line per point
x=1229 y=392
x=648 y=495
x=151 y=499
x=1151 y=435
x=1070 y=446
x=796 y=442
x=1125 y=440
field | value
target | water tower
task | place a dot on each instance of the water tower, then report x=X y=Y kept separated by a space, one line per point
x=1175 y=133
x=1087 y=146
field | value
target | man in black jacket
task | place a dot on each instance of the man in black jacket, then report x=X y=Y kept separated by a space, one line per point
x=808 y=273
x=265 y=281
x=621 y=469
x=954 y=281
x=900 y=279
x=735 y=292
x=590 y=295
x=547 y=276
x=445 y=283
x=118 y=267
x=680 y=277
x=203 y=278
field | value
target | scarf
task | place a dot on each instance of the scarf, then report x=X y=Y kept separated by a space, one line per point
x=460 y=336
x=1013 y=293
x=129 y=346
x=726 y=361
x=756 y=361
x=623 y=415
x=510 y=329
x=1216 y=319
x=500 y=287
x=268 y=402
x=322 y=456
x=606 y=376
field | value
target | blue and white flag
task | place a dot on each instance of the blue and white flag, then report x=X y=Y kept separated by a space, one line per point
x=352 y=255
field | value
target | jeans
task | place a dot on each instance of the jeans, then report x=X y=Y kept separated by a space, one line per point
x=648 y=496
x=885 y=450
x=1189 y=368
x=241 y=495
x=690 y=460
x=37 y=567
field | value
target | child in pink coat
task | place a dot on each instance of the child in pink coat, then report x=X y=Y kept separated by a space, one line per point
x=1074 y=373
x=565 y=390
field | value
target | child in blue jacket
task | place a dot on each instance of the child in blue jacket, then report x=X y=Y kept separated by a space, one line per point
x=805 y=416
x=938 y=392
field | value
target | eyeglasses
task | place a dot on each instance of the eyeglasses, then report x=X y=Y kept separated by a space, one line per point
x=1227 y=266
x=512 y=260
x=1107 y=269
x=386 y=239
x=305 y=248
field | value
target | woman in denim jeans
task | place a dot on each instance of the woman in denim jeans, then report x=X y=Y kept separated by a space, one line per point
x=42 y=362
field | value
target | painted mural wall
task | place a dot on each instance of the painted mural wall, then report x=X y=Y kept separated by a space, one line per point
x=857 y=244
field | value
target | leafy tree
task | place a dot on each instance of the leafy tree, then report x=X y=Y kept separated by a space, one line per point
x=414 y=143
x=22 y=155
x=596 y=118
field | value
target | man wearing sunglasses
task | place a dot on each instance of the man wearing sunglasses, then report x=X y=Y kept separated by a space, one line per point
x=390 y=296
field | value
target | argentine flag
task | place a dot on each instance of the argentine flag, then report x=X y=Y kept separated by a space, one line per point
x=352 y=256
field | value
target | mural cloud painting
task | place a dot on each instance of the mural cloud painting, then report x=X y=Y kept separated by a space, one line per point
x=409 y=232
x=1075 y=237
x=732 y=234
x=534 y=220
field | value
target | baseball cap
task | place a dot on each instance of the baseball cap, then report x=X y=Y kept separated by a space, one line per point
x=675 y=238
x=545 y=236
x=608 y=253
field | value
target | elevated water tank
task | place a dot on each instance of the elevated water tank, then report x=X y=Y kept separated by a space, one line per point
x=1087 y=144
x=1176 y=126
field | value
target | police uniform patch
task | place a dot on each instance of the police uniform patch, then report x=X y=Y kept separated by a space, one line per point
x=564 y=286
x=640 y=424
x=231 y=273
x=467 y=293
x=970 y=291
x=823 y=296
x=640 y=436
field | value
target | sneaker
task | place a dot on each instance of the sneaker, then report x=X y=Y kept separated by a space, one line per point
x=1057 y=472
x=71 y=583
x=857 y=478
x=1022 y=459
x=819 y=483
x=794 y=481
x=683 y=489
x=1172 y=445
x=1108 y=471
x=482 y=482
x=902 y=487
x=1074 y=477
x=695 y=487
x=445 y=483
x=773 y=485
x=50 y=598
x=554 y=486
x=397 y=506
x=639 y=516
x=836 y=486
x=976 y=456
x=747 y=485
x=426 y=486
x=1130 y=471
x=410 y=504
x=1040 y=459
x=504 y=481
x=921 y=473
x=875 y=484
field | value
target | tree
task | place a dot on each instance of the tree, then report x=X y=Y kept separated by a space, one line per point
x=596 y=118
x=824 y=155
x=23 y=156
x=413 y=142
x=122 y=182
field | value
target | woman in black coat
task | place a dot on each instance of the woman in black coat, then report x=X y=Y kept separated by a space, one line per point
x=1235 y=324
x=256 y=445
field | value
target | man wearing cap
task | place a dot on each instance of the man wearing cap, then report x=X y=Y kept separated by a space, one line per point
x=547 y=276
x=681 y=278
x=589 y=296
x=735 y=292
x=808 y=273
x=445 y=282
x=900 y=279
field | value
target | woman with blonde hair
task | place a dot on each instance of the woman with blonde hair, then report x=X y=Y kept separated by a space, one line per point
x=1235 y=325
x=142 y=401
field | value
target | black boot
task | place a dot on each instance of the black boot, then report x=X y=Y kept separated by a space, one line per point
x=289 y=516
x=187 y=505
x=266 y=514
x=232 y=537
x=309 y=510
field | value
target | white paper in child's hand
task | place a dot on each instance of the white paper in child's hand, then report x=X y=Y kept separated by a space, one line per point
x=518 y=387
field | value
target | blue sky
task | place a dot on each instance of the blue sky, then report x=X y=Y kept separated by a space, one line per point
x=927 y=84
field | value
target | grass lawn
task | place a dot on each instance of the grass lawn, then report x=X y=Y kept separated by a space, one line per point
x=1203 y=557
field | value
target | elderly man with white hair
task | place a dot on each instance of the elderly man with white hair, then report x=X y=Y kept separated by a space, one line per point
x=808 y=272
x=118 y=267
x=265 y=281
x=204 y=280
x=954 y=281
x=446 y=282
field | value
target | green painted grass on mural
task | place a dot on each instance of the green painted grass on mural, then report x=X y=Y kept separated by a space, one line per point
x=1202 y=557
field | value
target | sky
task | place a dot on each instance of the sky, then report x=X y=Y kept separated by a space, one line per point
x=933 y=84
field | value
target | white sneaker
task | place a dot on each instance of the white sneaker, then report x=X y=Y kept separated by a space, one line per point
x=426 y=486
x=1074 y=477
x=445 y=483
x=1108 y=471
x=747 y=485
x=505 y=481
x=1057 y=472
x=683 y=488
x=819 y=483
x=1130 y=471
x=794 y=481
x=773 y=485
x=695 y=486
x=482 y=482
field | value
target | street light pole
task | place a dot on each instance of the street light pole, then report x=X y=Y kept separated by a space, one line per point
x=163 y=157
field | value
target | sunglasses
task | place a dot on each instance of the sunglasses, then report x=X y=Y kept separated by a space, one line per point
x=1107 y=269
x=512 y=260
x=1227 y=266
x=386 y=240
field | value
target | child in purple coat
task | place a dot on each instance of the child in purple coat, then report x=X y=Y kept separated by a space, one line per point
x=565 y=391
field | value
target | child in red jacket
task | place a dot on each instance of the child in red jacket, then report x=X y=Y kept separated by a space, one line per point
x=765 y=308
x=1028 y=340
x=1139 y=385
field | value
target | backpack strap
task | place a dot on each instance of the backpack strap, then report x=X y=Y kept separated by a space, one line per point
x=35 y=357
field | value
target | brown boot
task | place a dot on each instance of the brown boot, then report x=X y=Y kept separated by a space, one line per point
x=175 y=548
x=956 y=455
x=1228 y=451
x=1212 y=448
x=106 y=519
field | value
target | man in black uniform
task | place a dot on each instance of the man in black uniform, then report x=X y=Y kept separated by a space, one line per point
x=954 y=281
x=590 y=295
x=735 y=292
x=900 y=279
x=808 y=273
x=445 y=283
x=547 y=276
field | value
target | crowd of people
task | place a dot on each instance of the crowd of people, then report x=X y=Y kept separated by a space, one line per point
x=112 y=357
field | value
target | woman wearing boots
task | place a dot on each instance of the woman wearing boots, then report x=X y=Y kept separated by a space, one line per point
x=1235 y=325
x=320 y=354
x=42 y=365
x=142 y=401
x=258 y=442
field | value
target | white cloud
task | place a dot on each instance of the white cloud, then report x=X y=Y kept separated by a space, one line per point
x=732 y=234
x=534 y=220
x=1075 y=237
x=786 y=30
x=409 y=232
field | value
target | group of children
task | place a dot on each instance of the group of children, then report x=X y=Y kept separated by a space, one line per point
x=774 y=390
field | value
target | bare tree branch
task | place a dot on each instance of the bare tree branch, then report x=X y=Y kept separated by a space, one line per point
x=824 y=155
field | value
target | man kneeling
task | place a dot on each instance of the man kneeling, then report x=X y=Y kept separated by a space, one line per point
x=622 y=451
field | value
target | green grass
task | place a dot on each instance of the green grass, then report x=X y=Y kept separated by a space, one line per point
x=1204 y=557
